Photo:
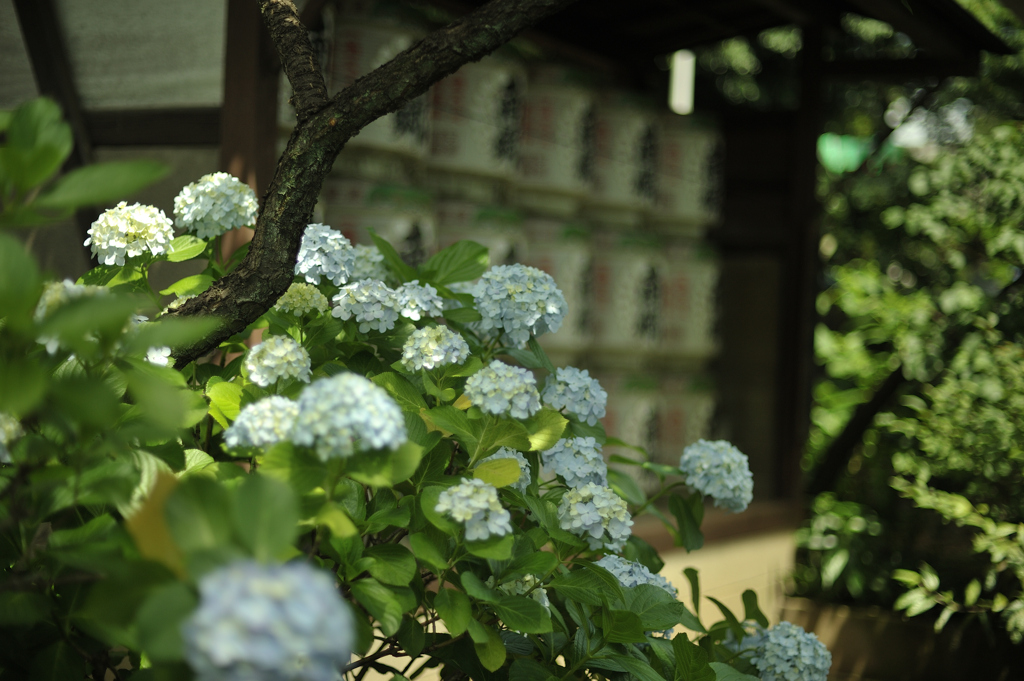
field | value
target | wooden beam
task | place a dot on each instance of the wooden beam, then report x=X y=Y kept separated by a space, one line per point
x=44 y=41
x=901 y=70
x=198 y=127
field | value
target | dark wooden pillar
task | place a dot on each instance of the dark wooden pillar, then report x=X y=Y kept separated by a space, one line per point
x=800 y=276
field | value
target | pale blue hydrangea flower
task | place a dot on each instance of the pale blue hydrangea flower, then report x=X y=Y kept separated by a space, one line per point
x=578 y=461
x=263 y=423
x=214 y=204
x=275 y=358
x=433 y=346
x=417 y=301
x=517 y=301
x=324 y=252
x=259 y=622
x=373 y=304
x=575 y=391
x=345 y=414
x=128 y=232
x=475 y=504
x=524 y=467
x=10 y=430
x=719 y=470
x=788 y=653
x=55 y=295
x=596 y=514
x=502 y=389
x=521 y=587
x=630 y=573
x=368 y=263
x=160 y=356
x=301 y=299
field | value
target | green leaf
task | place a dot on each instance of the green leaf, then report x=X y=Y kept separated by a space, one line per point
x=462 y=261
x=542 y=357
x=545 y=428
x=730 y=619
x=185 y=247
x=225 y=402
x=498 y=472
x=832 y=567
x=622 y=626
x=637 y=669
x=23 y=608
x=454 y=608
x=659 y=610
x=198 y=514
x=428 y=502
x=971 y=593
x=101 y=183
x=908 y=578
x=625 y=486
x=427 y=551
x=494 y=548
x=397 y=266
x=189 y=286
x=408 y=397
x=525 y=669
x=380 y=602
x=497 y=433
x=595 y=431
x=523 y=614
x=173 y=332
x=301 y=469
x=724 y=672
x=38 y=142
x=751 y=610
x=476 y=588
x=537 y=563
x=488 y=645
x=334 y=518
x=385 y=468
x=391 y=564
x=691 y=661
x=159 y=621
x=19 y=282
x=462 y=315
x=57 y=662
x=587 y=585
x=266 y=517
x=689 y=512
x=412 y=638
x=694 y=579
x=455 y=421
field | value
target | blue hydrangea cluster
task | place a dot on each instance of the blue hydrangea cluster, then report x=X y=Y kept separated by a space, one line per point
x=263 y=423
x=719 y=470
x=129 y=231
x=433 y=346
x=268 y=622
x=367 y=263
x=215 y=204
x=345 y=414
x=417 y=302
x=630 y=573
x=10 y=430
x=597 y=514
x=275 y=358
x=373 y=304
x=788 y=653
x=324 y=252
x=524 y=467
x=577 y=393
x=516 y=302
x=475 y=504
x=302 y=299
x=577 y=461
x=502 y=389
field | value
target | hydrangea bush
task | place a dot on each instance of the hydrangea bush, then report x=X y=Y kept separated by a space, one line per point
x=381 y=488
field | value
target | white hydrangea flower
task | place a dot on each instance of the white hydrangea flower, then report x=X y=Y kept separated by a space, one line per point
x=475 y=504
x=345 y=414
x=788 y=653
x=324 y=252
x=371 y=302
x=433 y=346
x=258 y=622
x=275 y=358
x=56 y=294
x=301 y=299
x=630 y=573
x=575 y=391
x=416 y=301
x=517 y=301
x=128 y=232
x=175 y=304
x=502 y=389
x=719 y=470
x=214 y=204
x=368 y=263
x=10 y=430
x=263 y=423
x=596 y=514
x=521 y=587
x=160 y=356
x=577 y=460
x=525 y=478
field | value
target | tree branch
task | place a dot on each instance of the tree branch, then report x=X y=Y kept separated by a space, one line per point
x=242 y=296
x=297 y=57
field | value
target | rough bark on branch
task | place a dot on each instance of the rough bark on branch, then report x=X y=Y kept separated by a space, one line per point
x=242 y=296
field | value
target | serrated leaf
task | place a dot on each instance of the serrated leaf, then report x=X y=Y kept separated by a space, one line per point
x=626 y=487
x=189 y=286
x=724 y=672
x=734 y=624
x=408 y=397
x=225 y=402
x=185 y=247
x=391 y=564
x=475 y=588
x=462 y=261
x=493 y=548
x=691 y=661
x=428 y=503
x=454 y=608
x=689 y=512
x=498 y=472
x=402 y=272
x=638 y=669
x=266 y=517
x=488 y=645
x=545 y=428
x=751 y=610
x=427 y=552
x=380 y=602
x=101 y=183
x=523 y=614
